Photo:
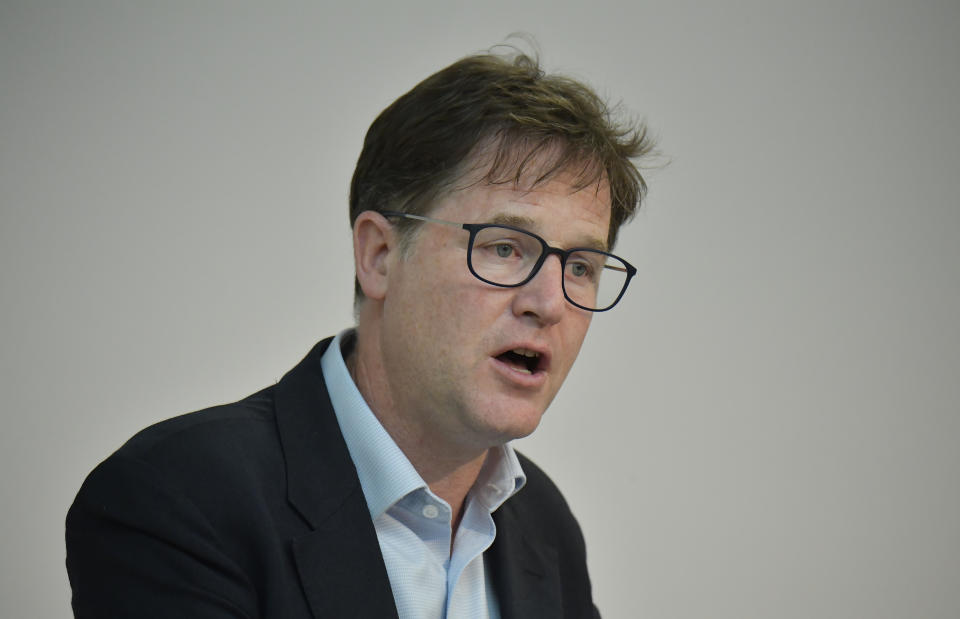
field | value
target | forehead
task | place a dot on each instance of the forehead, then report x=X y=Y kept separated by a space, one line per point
x=546 y=176
x=559 y=193
x=558 y=208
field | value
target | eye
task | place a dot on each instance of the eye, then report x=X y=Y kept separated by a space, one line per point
x=579 y=269
x=585 y=266
x=504 y=250
x=505 y=245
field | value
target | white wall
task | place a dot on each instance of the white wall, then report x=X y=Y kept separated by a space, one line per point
x=767 y=427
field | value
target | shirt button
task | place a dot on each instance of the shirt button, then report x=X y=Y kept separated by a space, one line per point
x=430 y=511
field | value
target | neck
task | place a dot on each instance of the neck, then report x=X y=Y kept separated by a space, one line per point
x=449 y=469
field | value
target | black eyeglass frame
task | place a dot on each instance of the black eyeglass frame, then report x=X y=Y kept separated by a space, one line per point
x=545 y=251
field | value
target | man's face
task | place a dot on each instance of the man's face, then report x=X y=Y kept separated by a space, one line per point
x=450 y=341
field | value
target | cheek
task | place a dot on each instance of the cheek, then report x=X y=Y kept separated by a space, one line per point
x=574 y=334
x=463 y=315
x=446 y=311
x=463 y=300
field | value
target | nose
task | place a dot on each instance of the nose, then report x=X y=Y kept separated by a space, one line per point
x=542 y=297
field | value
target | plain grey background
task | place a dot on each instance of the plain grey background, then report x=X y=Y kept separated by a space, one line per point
x=767 y=427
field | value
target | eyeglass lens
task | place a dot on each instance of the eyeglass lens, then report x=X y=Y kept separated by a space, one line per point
x=504 y=256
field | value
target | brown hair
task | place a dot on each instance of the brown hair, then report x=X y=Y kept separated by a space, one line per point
x=505 y=113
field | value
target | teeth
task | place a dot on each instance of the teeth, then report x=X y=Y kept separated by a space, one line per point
x=525 y=352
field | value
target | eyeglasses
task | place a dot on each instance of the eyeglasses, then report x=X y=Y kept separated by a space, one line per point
x=509 y=257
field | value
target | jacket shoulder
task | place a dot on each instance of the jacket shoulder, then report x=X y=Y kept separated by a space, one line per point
x=247 y=418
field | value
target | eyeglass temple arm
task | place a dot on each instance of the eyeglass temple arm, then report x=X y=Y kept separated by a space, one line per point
x=420 y=217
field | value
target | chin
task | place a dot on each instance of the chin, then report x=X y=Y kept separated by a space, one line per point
x=512 y=423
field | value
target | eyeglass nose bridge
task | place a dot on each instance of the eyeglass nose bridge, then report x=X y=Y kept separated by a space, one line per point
x=545 y=252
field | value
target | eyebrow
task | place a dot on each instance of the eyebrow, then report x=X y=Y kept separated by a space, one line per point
x=526 y=223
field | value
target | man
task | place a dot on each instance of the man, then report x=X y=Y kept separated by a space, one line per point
x=376 y=478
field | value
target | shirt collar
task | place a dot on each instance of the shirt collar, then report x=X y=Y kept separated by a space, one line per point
x=385 y=473
x=500 y=478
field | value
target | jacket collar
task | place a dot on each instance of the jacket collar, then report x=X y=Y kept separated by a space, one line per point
x=525 y=575
x=339 y=561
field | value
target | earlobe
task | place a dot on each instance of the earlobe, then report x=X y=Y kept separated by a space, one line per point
x=373 y=242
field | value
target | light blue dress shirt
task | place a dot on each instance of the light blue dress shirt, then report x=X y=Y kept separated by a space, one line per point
x=412 y=523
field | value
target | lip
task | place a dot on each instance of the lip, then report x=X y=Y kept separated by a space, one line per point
x=517 y=377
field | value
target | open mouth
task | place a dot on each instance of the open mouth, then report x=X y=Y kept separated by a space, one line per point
x=522 y=359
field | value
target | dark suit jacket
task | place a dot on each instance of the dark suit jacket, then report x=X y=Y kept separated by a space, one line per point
x=254 y=509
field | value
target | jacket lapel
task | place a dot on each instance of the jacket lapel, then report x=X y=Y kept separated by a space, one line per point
x=339 y=561
x=525 y=575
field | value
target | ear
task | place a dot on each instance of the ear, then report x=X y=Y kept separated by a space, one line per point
x=373 y=243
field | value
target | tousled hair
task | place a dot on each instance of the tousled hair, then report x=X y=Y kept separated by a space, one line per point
x=497 y=119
